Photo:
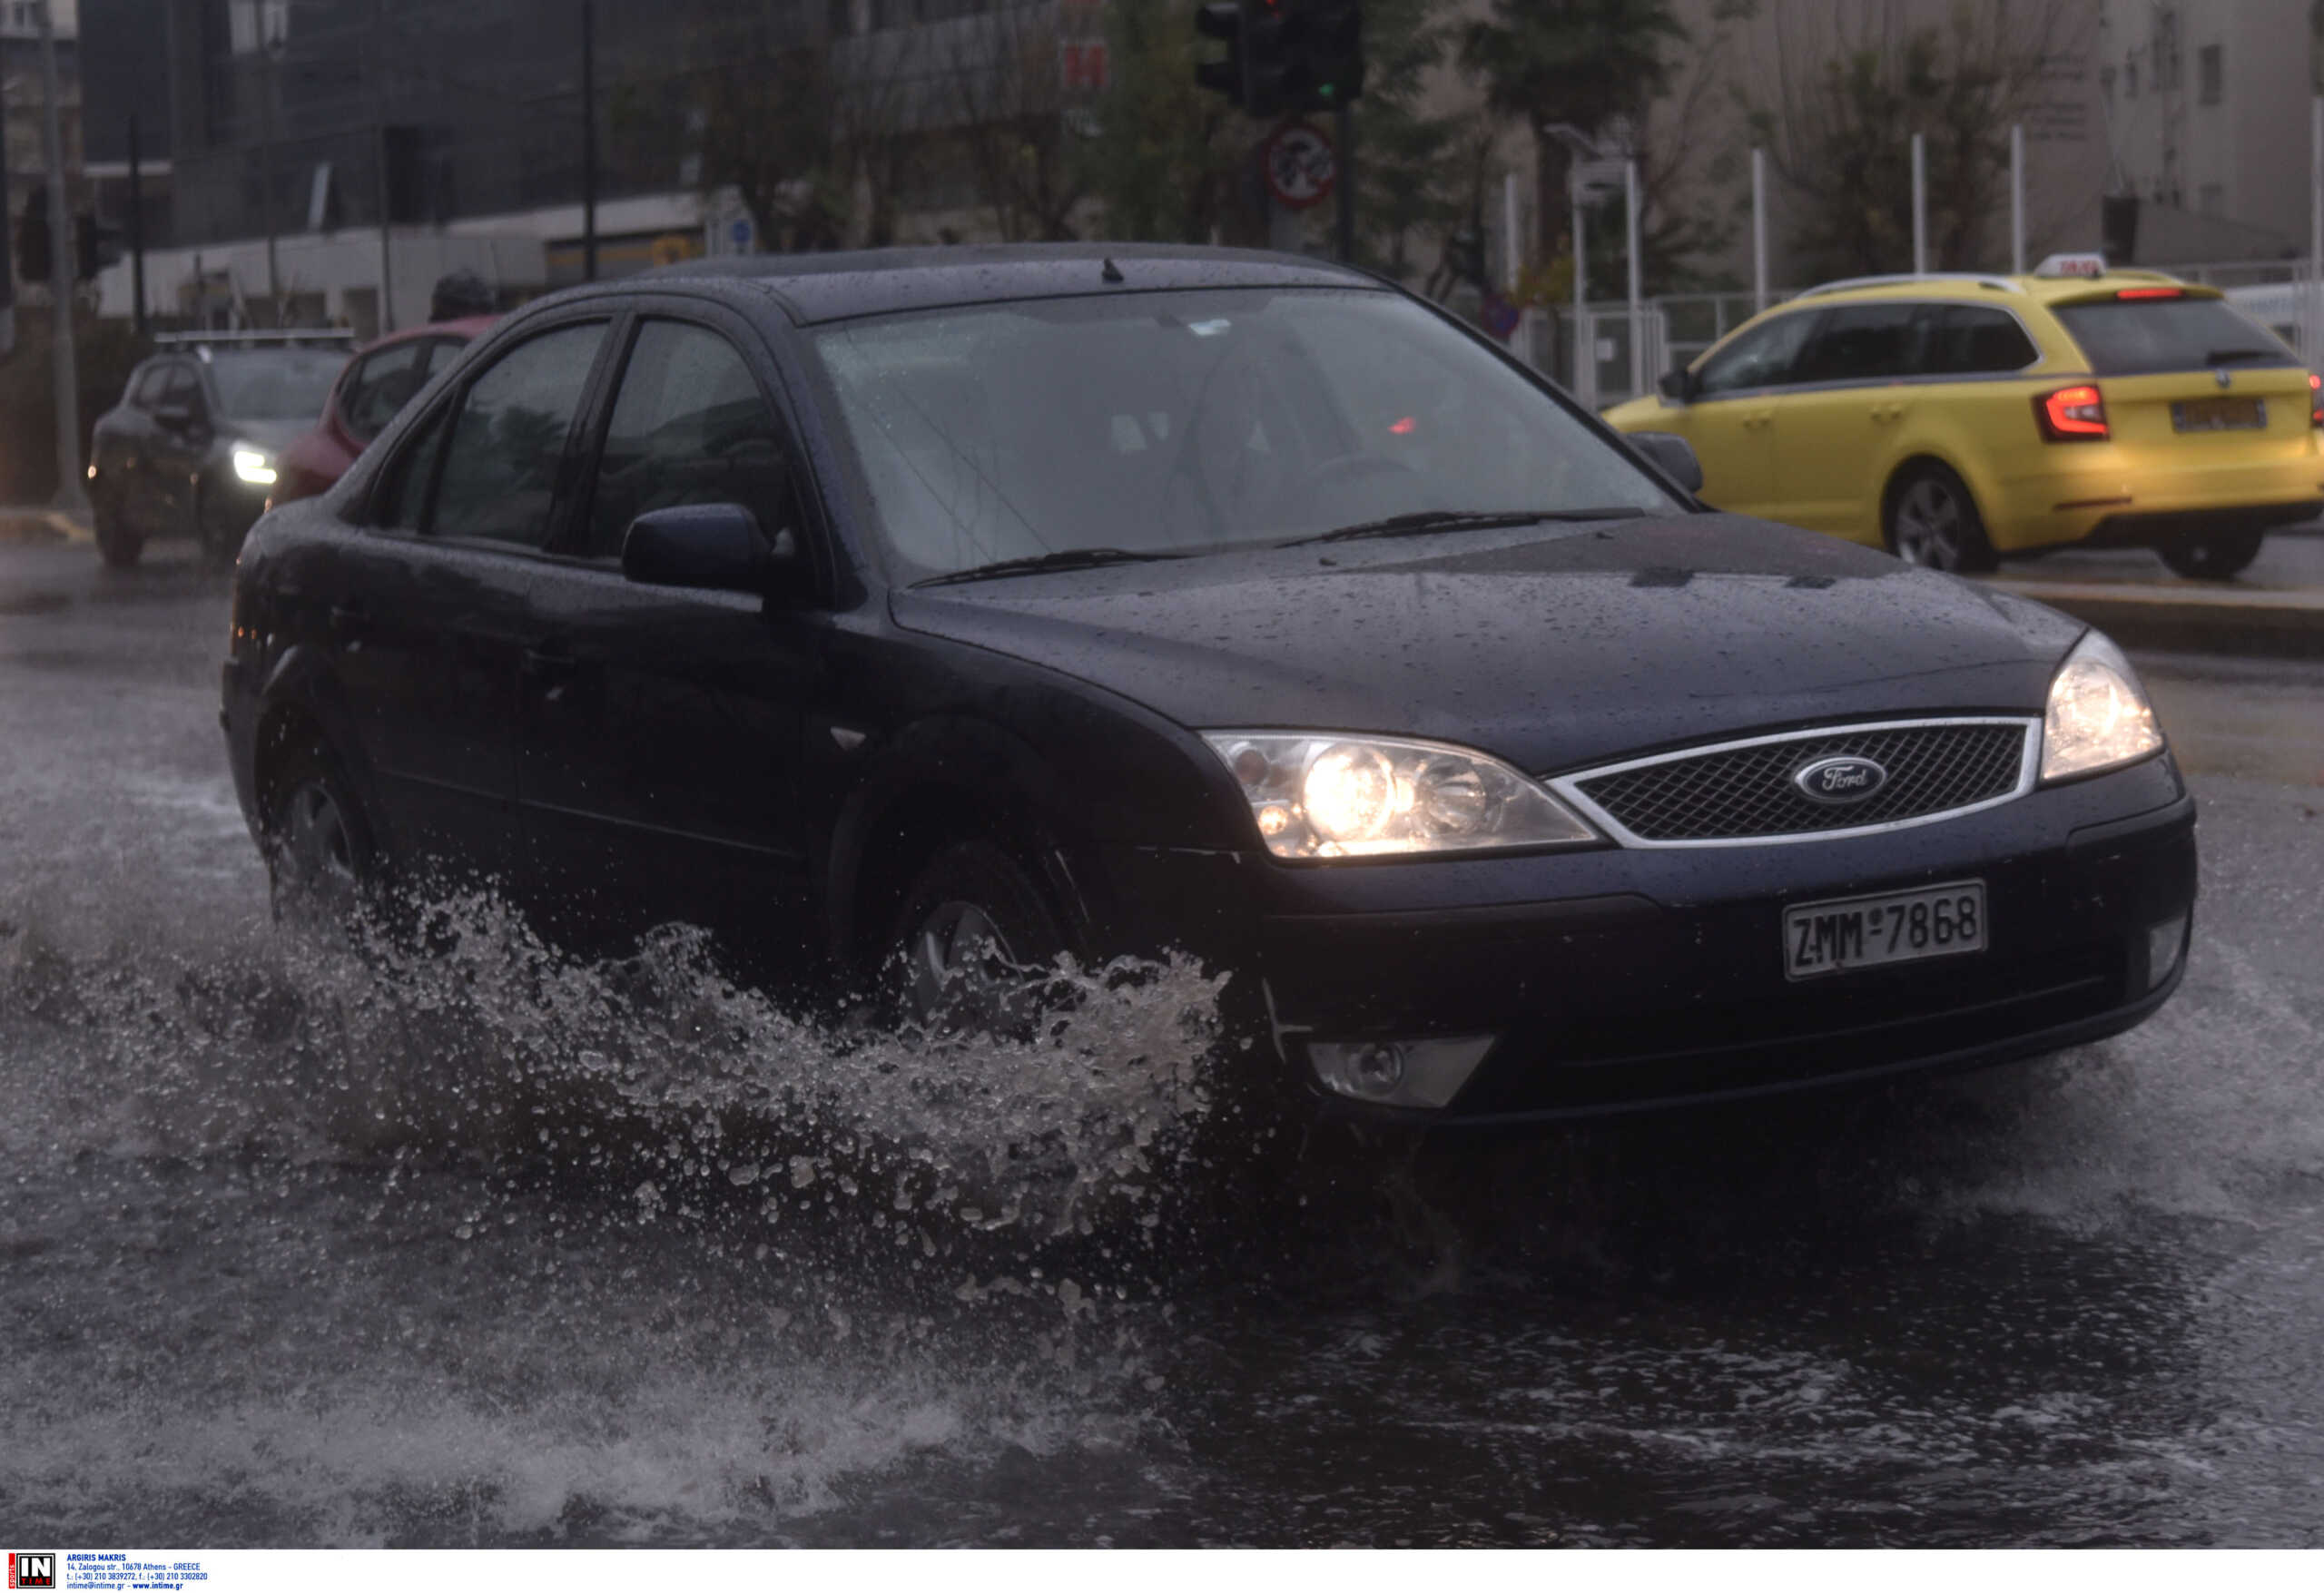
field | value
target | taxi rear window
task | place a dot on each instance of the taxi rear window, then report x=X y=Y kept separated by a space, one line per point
x=2124 y=336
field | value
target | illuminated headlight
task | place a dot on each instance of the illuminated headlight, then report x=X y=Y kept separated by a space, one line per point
x=2098 y=718
x=1321 y=796
x=255 y=465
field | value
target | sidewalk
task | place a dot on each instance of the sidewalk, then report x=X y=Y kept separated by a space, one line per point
x=35 y=526
x=2275 y=607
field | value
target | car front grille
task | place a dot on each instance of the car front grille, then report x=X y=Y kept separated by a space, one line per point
x=1745 y=791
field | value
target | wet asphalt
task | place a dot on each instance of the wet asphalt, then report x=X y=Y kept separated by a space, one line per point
x=303 y=1246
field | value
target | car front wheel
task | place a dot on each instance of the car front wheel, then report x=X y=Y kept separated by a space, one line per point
x=117 y=545
x=1934 y=522
x=973 y=942
x=319 y=854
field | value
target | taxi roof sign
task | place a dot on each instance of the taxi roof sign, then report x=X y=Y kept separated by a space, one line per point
x=2073 y=265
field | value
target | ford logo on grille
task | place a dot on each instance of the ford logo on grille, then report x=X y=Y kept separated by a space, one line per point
x=1839 y=781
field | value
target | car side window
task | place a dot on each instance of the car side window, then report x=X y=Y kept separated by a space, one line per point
x=400 y=500
x=185 y=388
x=146 y=391
x=1761 y=358
x=1969 y=339
x=689 y=427
x=378 y=386
x=1865 y=343
x=507 y=445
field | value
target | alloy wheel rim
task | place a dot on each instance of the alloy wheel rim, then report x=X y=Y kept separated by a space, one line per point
x=1928 y=526
x=963 y=971
x=317 y=846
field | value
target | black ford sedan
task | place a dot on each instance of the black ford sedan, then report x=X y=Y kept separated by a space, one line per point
x=957 y=611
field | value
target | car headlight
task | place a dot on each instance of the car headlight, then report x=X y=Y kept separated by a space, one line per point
x=255 y=465
x=1329 y=796
x=2098 y=716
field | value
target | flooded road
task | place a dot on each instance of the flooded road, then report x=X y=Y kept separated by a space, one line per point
x=300 y=1245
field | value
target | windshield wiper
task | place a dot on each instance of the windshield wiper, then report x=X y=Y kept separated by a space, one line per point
x=1420 y=523
x=2230 y=356
x=1065 y=558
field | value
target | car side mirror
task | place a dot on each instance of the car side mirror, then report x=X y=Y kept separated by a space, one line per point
x=1672 y=454
x=1676 y=385
x=713 y=546
x=176 y=417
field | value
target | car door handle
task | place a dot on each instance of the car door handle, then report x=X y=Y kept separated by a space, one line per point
x=549 y=661
x=1758 y=418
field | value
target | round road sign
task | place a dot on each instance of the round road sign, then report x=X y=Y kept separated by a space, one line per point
x=1299 y=164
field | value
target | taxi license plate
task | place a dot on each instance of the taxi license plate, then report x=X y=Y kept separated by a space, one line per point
x=2219 y=415
x=1867 y=931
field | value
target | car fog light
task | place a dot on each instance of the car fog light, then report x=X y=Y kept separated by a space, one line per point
x=2166 y=943
x=1398 y=1073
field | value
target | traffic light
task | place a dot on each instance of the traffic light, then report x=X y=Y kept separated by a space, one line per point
x=34 y=247
x=1284 y=56
x=95 y=246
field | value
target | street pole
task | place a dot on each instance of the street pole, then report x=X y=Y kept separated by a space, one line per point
x=1513 y=255
x=266 y=167
x=2312 y=322
x=1920 y=206
x=64 y=259
x=589 y=141
x=1346 y=183
x=136 y=231
x=1638 y=313
x=7 y=266
x=1585 y=341
x=2017 y=200
x=1759 y=231
x=387 y=235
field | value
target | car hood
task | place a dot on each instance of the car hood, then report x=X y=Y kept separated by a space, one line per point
x=274 y=435
x=1553 y=647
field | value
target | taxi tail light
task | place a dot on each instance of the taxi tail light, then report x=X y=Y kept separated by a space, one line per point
x=2315 y=400
x=2072 y=415
x=2152 y=294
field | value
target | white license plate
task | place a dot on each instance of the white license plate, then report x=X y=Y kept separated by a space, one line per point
x=1865 y=931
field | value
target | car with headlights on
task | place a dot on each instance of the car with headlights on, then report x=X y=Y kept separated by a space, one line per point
x=193 y=448
x=377 y=382
x=934 y=616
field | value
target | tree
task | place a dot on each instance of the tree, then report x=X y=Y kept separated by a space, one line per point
x=1010 y=114
x=1416 y=175
x=1165 y=156
x=1589 y=65
x=1843 y=106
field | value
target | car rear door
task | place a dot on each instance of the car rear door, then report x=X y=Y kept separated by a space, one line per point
x=432 y=612
x=663 y=725
x=175 y=450
x=1730 y=417
x=1834 y=424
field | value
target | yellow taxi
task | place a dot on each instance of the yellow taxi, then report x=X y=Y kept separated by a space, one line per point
x=1955 y=418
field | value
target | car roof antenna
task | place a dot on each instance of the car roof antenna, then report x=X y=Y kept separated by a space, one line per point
x=1112 y=273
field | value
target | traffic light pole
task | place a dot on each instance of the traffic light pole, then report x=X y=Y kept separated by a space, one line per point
x=136 y=231
x=65 y=370
x=1346 y=183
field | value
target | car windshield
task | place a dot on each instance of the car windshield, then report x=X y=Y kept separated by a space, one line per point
x=275 y=384
x=2123 y=337
x=1188 y=422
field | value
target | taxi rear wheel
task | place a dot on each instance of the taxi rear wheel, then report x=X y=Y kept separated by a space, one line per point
x=1933 y=521
x=2213 y=556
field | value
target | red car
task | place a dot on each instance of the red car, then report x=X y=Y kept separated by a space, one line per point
x=378 y=381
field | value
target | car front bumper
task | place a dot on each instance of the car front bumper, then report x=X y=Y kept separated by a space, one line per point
x=1613 y=979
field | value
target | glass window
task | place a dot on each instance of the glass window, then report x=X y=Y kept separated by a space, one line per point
x=1865 y=343
x=378 y=386
x=185 y=388
x=1193 y=422
x=145 y=392
x=1967 y=339
x=2123 y=336
x=1762 y=357
x=402 y=499
x=275 y=384
x=2211 y=74
x=690 y=427
x=507 y=444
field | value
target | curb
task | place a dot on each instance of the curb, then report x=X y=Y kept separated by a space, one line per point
x=2227 y=619
x=29 y=524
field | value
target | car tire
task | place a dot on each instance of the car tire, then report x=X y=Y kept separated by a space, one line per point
x=117 y=545
x=2213 y=556
x=321 y=857
x=971 y=942
x=1931 y=520
x=219 y=539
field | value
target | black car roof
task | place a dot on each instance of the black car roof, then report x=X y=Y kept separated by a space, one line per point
x=876 y=281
